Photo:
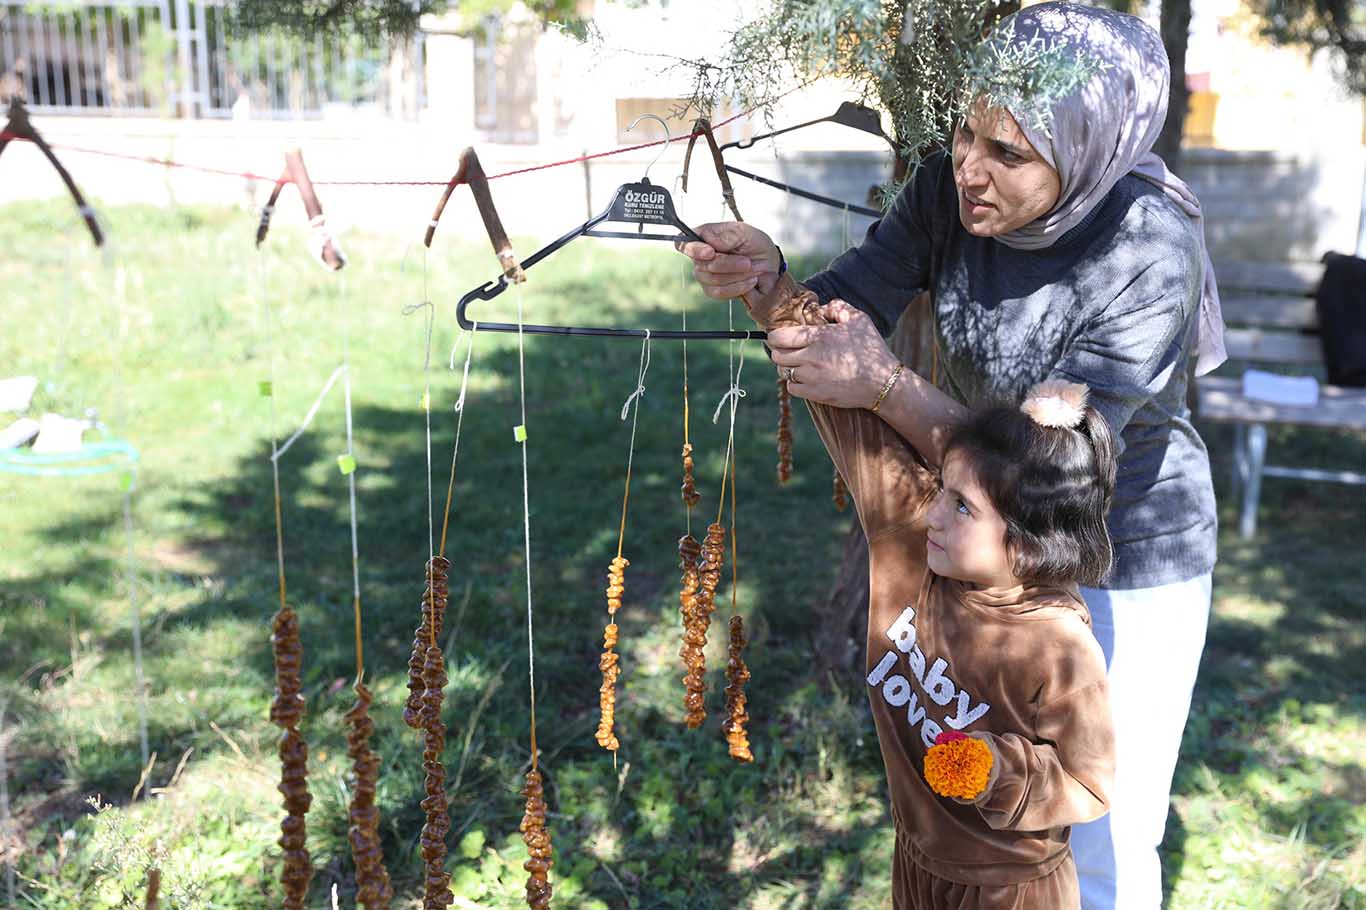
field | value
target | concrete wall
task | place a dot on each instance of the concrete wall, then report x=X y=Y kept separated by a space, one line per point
x=1278 y=206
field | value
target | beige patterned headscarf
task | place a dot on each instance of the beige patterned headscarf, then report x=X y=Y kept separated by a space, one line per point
x=1104 y=130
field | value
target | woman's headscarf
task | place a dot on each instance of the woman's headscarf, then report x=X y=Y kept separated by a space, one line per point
x=1103 y=129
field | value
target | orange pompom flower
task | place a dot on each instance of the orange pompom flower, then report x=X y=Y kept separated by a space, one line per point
x=958 y=765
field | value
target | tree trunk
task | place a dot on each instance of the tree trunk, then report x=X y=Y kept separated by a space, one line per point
x=840 y=626
x=1176 y=26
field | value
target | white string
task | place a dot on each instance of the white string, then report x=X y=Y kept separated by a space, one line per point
x=455 y=347
x=350 y=444
x=427 y=398
x=640 y=386
x=313 y=411
x=274 y=452
x=735 y=392
x=4 y=809
x=464 y=383
x=683 y=294
x=139 y=678
x=130 y=561
x=526 y=515
x=683 y=283
x=635 y=417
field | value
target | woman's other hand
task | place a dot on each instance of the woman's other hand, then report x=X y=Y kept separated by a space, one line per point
x=843 y=364
x=736 y=259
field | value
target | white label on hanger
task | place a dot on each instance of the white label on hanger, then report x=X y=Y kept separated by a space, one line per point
x=641 y=202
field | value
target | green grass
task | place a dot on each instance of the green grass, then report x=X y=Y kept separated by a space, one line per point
x=168 y=339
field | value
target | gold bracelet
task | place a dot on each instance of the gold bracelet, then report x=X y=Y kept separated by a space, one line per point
x=887 y=387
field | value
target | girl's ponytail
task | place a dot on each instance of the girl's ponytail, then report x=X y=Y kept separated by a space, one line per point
x=1097 y=430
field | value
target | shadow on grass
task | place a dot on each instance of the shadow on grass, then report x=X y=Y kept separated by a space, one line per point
x=1285 y=644
x=677 y=823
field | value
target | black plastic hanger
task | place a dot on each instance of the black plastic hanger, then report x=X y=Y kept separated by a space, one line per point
x=639 y=203
x=857 y=116
x=807 y=194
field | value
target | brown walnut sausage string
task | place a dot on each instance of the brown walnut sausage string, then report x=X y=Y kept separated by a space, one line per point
x=690 y=495
x=695 y=637
x=429 y=629
x=373 y=889
x=537 y=840
x=285 y=712
x=689 y=550
x=737 y=674
x=436 y=892
x=784 y=432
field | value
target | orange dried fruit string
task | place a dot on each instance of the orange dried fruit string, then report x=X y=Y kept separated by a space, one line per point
x=737 y=673
x=609 y=662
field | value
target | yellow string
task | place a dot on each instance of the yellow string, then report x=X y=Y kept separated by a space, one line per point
x=360 y=656
x=734 y=546
x=446 y=518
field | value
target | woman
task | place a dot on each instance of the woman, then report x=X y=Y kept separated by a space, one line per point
x=1055 y=245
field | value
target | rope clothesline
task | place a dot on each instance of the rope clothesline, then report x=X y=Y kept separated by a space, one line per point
x=251 y=175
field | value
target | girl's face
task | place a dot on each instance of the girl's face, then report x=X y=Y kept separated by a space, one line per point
x=1003 y=183
x=967 y=536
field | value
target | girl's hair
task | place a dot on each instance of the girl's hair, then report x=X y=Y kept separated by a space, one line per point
x=1048 y=467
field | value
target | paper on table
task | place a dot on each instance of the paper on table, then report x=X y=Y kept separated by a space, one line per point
x=1299 y=391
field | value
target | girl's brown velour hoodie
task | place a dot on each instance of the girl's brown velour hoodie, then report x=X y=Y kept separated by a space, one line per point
x=1017 y=667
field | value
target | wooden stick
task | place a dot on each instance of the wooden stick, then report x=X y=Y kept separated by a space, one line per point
x=19 y=125
x=702 y=126
x=296 y=172
x=269 y=209
x=471 y=173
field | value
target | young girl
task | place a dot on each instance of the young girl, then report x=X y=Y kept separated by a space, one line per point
x=976 y=627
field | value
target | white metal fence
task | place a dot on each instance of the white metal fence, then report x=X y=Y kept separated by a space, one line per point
x=175 y=58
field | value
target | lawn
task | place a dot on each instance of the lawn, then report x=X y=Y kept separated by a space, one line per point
x=169 y=336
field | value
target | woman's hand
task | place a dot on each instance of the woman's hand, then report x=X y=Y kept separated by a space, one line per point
x=736 y=259
x=843 y=364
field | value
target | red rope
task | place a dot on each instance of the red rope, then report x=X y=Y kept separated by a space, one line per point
x=248 y=175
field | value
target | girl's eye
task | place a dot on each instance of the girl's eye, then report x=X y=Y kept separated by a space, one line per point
x=1011 y=157
x=963 y=508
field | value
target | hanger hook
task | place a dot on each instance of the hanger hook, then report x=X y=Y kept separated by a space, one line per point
x=668 y=137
